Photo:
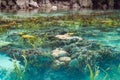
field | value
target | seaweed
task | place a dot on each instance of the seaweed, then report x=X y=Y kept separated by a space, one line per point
x=19 y=70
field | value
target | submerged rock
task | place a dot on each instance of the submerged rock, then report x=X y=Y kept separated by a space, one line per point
x=74 y=63
x=59 y=53
x=68 y=37
x=65 y=59
x=57 y=64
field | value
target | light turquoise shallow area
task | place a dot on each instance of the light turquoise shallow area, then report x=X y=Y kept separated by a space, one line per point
x=110 y=38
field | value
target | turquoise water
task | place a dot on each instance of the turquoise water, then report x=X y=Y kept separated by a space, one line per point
x=97 y=41
x=109 y=38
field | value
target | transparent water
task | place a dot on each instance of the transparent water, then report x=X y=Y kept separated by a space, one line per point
x=109 y=37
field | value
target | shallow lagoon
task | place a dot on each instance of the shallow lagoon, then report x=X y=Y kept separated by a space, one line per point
x=98 y=52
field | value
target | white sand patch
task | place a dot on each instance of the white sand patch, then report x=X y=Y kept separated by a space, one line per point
x=6 y=63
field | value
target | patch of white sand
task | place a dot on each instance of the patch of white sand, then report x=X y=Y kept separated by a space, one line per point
x=6 y=63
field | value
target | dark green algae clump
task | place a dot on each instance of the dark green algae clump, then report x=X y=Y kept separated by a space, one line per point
x=37 y=41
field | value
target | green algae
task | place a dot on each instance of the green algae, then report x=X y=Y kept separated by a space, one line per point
x=20 y=71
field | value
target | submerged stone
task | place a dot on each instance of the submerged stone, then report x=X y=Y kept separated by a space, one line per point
x=59 y=53
x=65 y=59
x=74 y=63
x=68 y=37
x=57 y=64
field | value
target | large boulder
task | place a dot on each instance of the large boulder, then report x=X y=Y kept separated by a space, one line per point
x=23 y=4
x=65 y=59
x=63 y=5
x=111 y=4
x=0 y=2
x=4 y=3
x=58 y=53
x=68 y=37
x=33 y=4
x=74 y=63
x=85 y=3
x=75 y=6
x=73 y=1
x=48 y=4
x=11 y=3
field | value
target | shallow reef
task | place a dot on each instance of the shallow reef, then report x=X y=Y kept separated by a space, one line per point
x=67 y=47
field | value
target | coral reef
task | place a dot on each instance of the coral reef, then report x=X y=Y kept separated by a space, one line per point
x=69 y=42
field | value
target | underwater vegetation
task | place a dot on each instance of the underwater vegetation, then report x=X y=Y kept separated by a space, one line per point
x=106 y=19
x=19 y=71
x=50 y=46
x=6 y=25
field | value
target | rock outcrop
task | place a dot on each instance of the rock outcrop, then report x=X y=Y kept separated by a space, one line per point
x=15 y=4
x=22 y=3
x=85 y=3
x=59 y=53
x=59 y=4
